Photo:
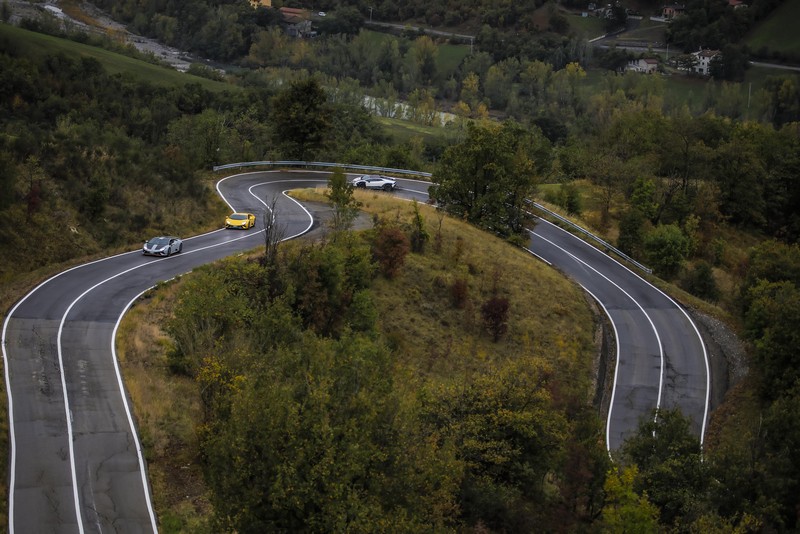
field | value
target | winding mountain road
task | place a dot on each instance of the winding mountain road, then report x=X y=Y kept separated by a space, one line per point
x=76 y=462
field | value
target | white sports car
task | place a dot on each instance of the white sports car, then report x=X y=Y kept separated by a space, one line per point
x=162 y=246
x=375 y=181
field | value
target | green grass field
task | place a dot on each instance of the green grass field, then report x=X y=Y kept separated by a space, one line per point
x=28 y=43
x=449 y=55
x=778 y=32
x=648 y=30
x=403 y=130
x=588 y=27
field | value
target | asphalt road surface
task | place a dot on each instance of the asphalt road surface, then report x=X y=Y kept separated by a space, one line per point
x=76 y=462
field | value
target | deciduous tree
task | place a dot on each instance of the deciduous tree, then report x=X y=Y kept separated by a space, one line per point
x=345 y=207
x=390 y=249
x=772 y=318
x=495 y=316
x=671 y=468
x=300 y=119
x=487 y=178
x=626 y=510
x=666 y=248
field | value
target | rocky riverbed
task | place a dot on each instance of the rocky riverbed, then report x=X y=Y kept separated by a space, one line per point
x=100 y=23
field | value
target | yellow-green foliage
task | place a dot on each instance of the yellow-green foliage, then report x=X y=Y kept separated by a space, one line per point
x=437 y=362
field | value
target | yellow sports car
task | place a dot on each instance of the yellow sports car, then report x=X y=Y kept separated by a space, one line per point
x=242 y=221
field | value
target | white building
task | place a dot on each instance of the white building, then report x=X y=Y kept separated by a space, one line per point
x=704 y=58
x=645 y=65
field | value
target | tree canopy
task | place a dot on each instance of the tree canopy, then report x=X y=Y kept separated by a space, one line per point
x=487 y=178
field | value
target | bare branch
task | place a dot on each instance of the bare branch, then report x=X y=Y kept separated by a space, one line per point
x=274 y=232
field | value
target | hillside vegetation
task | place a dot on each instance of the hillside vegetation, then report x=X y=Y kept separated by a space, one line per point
x=700 y=185
x=37 y=46
x=382 y=383
x=776 y=36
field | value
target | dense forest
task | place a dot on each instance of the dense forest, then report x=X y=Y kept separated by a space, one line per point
x=226 y=31
x=527 y=85
x=707 y=195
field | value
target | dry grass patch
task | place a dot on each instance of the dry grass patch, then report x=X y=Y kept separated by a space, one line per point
x=548 y=316
x=167 y=407
x=75 y=11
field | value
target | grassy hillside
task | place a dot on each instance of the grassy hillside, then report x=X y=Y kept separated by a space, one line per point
x=587 y=27
x=36 y=45
x=778 y=32
x=431 y=339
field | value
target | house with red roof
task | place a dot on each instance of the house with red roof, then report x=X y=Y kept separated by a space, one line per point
x=645 y=65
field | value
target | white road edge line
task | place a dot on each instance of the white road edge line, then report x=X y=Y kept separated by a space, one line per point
x=66 y=396
x=616 y=364
x=653 y=326
x=64 y=384
x=688 y=318
x=12 y=435
x=544 y=260
x=10 y=314
x=120 y=383
x=12 y=432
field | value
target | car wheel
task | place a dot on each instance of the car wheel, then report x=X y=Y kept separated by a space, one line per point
x=387 y=187
x=180 y=247
x=362 y=185
x=169 y=251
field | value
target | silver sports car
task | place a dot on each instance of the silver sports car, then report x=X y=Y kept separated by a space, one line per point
x=162 y=246
x=375 y=181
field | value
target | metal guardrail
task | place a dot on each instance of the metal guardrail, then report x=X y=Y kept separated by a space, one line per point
x=407 y=172
x=591 y=236
x=319 y=164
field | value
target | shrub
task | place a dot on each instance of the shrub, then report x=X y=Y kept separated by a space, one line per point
x=390 y=249
x=570 y=199
x=666 y=247
x=700 y=282
x=459 y=293
x=495 y=316
x=419 y=235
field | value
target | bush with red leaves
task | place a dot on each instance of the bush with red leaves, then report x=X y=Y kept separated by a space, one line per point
x=495 y=316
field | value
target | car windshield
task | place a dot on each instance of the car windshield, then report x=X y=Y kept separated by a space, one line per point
x=158 y=241
x=238 y=216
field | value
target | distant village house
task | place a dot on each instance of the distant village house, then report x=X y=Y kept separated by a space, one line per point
x=704 y=59
x=297 y=21
x=673 y=10
x=644 y=65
